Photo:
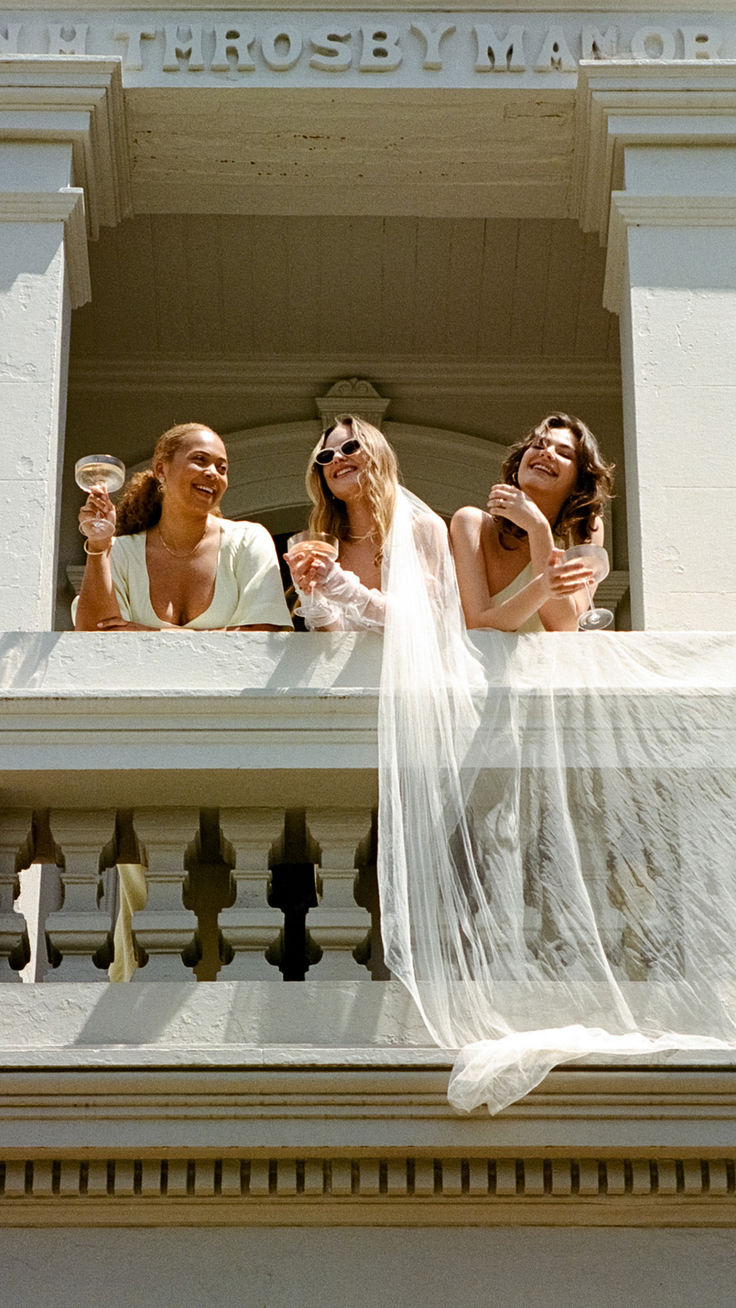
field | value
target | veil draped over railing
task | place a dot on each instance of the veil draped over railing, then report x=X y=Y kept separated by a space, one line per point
x=557 y=867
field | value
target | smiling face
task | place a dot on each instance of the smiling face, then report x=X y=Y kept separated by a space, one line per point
x=344 y=476
x=195 y=475
x=549 y=466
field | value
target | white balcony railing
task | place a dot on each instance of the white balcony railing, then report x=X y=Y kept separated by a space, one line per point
x=240 y=769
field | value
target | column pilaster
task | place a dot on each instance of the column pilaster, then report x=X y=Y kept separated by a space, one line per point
x=656 y=176
x=64 y=172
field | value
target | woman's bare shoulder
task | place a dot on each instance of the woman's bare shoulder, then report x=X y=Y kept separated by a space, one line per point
x=473 y=527
x=470 y=521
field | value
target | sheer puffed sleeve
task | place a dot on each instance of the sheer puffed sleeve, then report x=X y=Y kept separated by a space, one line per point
x=343 y=603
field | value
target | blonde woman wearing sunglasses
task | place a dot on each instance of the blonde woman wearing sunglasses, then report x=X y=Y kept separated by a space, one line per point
x=352 y=482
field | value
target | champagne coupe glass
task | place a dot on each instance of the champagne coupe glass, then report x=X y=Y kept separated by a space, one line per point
x=312 y=542
x=99 y=470
x=317 y=543
x=595 y=556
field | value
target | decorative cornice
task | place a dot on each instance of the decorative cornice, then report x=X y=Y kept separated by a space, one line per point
x=675 y=210
x=368 y=1137
x=646 y=102
x=398 y=6
x=393 y=1189
x=77 y=99
x=65 y=206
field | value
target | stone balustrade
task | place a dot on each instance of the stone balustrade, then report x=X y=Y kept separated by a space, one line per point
x=246 y=894
x=213 y=795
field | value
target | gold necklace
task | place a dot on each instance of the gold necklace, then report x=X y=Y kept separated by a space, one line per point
x=178 y=554
x=363 y=540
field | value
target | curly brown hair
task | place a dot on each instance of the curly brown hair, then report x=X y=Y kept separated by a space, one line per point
x=382 y=474
x=139 y=506
x=586 y=504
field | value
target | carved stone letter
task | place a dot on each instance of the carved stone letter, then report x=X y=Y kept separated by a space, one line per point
x=653 y=43
x=381 y=52
x=555 y=54
x=701 y=42
x=500 y=54
x=134 y=36
x=229 y=39
x=187 y=47
x=331 y=55
x=432 y=37
x=281 y=48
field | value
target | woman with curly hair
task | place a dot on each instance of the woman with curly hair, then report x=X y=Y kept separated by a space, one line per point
x=174 y=561
x=510 y=562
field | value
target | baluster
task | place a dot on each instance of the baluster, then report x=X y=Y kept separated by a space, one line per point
x=292 y=887
x=643 y=882
x=165 y=932
x=251 y=927
x=16 y=853
x=587 y=798
x=370 y=950
x=125 y=892
x=338 y=925
x=79 y=935
x=208 y=888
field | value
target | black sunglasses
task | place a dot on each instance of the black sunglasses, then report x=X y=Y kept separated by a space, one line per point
x=324 y=457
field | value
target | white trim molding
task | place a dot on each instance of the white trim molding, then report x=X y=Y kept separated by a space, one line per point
x=629 y=210
x=78 y=99
x=416 y=375
x=65 y=206
x=427 y=1188
x=646 y=102
x=186 y=1104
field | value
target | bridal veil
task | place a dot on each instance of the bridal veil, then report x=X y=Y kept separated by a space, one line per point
x=557 y=855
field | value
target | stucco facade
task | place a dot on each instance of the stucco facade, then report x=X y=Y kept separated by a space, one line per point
x=453 y=221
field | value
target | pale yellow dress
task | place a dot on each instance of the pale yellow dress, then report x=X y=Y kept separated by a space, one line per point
x=533 y=623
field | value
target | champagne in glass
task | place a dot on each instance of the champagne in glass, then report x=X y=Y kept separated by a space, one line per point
x=595 y=556
x=319 y=543
x=99 y=470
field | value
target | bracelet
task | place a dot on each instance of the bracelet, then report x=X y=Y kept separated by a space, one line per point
x=93 y=553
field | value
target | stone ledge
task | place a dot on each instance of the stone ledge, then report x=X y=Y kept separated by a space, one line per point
x=315 y=1066
x=322 y=1103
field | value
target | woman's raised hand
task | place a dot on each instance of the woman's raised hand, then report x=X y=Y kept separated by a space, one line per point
x=566 y=577
x=98 y=508
x=509 y=502
x=308 y=568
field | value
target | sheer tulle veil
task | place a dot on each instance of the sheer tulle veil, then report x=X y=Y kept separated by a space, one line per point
x=557 y=869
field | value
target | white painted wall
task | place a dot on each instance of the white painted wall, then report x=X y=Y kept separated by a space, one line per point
x=34 y=345
x=369 y=1268
x=678 y=343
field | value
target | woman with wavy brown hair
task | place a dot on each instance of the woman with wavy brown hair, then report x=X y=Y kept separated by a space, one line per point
x=173 y=560
x=510 y=561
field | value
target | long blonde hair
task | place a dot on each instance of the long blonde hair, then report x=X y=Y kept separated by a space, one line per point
x=381 y=481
